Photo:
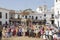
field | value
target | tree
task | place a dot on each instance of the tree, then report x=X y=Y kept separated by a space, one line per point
x=28 y=21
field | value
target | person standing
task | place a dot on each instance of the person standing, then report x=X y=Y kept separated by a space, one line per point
x=39 y=34
x=47 y=33
x=19 y=32
x=50 y=34
x=27 y=32
x=23 y=32
x=44 y=37
x=54 y=36
x=1 y=32
x=9 y=32
x=14 y=32
x=42 y=32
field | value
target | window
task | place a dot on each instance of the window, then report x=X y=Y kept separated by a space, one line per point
x=22 y=15
x=58 y=12
x=6 y=15
x=52 y=21
x=29 y=16
x=25 y=17
x=44 y=15
x=0 y=23
x=44 y=21
x=0 y=14
x=40 y=17
x=52 y=15
x=32 y=17
x=41 y=9
x=36 y=17
x=6 y=22
x=11 y=16
x=56 y=0
x=44 y=9
x=18 y=16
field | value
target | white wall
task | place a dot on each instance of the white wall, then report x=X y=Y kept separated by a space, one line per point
x=38 y=15
x=3 y=19
x=48 y=16
x=56 y=9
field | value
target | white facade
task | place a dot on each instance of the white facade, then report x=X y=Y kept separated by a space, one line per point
x=3 y=19
x=14 y=14
x=40 y=16
x=43 y=10
x=57 y=12
x=39 y=13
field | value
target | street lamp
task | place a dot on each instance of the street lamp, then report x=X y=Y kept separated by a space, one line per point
x=58 y=21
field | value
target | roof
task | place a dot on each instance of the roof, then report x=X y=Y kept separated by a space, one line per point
x=12 y=11
x=4 y=9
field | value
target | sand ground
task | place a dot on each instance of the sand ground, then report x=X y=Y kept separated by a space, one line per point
x=21 y=38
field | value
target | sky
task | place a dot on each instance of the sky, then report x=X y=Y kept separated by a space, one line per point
x=25 y=4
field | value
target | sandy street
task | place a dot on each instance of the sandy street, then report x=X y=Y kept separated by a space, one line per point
x=21 y=38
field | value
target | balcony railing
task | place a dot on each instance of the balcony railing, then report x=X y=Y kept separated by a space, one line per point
x=16 y=19
x=52 y=18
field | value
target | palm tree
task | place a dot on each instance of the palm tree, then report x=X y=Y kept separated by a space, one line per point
x=28 y=21
x=27 y=12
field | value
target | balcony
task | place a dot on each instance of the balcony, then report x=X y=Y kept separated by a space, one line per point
x=14 y=19
x=52 y=18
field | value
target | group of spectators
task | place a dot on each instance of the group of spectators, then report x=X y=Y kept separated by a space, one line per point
x=12 y=31
x=30 y=32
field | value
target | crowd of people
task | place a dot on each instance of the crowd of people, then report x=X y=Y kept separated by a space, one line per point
x=29 y=31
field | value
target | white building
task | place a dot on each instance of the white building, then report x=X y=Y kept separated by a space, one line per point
x=47 y=14
x=14 y=16
x=4 y=16
x=57 y=12
x=41 y=14
x=42 y=9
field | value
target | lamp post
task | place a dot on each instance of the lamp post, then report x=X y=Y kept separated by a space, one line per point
x=58 y=22
x=58 y=17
